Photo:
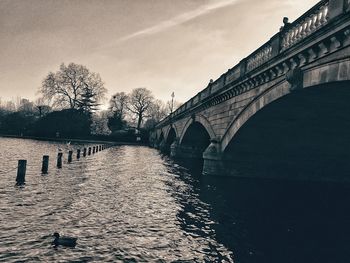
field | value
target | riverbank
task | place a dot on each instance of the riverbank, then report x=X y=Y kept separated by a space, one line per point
x=73 y=140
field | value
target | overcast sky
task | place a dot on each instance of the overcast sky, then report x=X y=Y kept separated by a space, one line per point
x=164 y=45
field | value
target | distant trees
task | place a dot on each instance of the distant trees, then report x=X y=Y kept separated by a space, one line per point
x=73 y=87
x=99 y=125
x=68 y=123
x=117 y=106
x=16 y=123
x=157 y=112
x=68 y=107
x=140 y=102
x=118 y=103
x=139 y=106
x=17 y=117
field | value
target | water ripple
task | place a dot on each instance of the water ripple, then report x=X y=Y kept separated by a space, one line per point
x=126 y=204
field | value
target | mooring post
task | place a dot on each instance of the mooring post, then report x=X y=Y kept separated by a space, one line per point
x=89 y=152
x=59 y=160
x=78 y=154
x=70 y=153
x=45 y=166
x=84 y=152
x=21 y=172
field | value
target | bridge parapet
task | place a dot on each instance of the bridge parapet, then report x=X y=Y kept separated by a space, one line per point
x=259 y=57
x=305 y=25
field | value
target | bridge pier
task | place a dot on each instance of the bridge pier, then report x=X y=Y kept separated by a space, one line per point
x=213 y=162
x=162 y=146
x=185 y=151
x=174 y=148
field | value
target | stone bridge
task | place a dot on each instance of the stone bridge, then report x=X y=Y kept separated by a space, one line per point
x=284 y=104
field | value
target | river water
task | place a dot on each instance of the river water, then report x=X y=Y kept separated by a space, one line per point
x=132 y=204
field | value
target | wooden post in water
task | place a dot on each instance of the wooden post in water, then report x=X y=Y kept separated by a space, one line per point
x=70 y=153
x=59 y=160
x=21 y=172
x=45 y=165
x=78 y=154
x=84 y=152
x=96 y=148
x=89 y=152
x=93 y=149
x=100 y=147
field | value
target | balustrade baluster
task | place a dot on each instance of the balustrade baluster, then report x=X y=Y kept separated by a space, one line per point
x=324 y=14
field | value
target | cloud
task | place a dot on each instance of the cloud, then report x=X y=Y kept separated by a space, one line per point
x=180 y=19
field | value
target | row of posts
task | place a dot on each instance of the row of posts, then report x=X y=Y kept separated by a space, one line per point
x=22 y=164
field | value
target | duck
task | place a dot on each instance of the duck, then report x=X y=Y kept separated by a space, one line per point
x=64 y=241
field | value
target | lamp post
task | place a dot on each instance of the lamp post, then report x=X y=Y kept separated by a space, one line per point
x=172 y=102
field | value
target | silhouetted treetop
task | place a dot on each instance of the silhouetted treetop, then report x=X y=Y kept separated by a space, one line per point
x=73 y=87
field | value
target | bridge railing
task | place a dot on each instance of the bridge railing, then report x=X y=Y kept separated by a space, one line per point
x=305 y=25
x=259 y=57
x=311 y=21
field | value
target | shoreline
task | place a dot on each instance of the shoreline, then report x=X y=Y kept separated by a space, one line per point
x=71 y=140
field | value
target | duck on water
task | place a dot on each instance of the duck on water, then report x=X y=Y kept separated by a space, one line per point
x=64 y=241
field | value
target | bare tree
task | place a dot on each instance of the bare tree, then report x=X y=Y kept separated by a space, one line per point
x=118 y=103
x=74 y=87
x=158 y=110
x=140 y=102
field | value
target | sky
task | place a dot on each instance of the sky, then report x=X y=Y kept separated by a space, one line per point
x=164 y=45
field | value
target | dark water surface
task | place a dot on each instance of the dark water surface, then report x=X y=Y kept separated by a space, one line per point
x=131 y=204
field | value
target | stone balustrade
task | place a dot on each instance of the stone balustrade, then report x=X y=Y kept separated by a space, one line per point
x=305 y=26
x=232 y=75
x=259 y=57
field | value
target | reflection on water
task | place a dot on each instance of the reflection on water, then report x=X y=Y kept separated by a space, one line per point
x=131 y=204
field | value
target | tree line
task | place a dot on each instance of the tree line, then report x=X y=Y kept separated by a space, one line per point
x=69 y=107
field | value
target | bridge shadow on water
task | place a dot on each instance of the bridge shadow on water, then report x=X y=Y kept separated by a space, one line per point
x=263 y=220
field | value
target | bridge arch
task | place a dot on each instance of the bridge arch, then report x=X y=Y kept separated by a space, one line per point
x=199 y=119
x=194 y=142
x=170 y=136
x=170 y=128
x=160 y=138
x=305 y=134
x=327 y=73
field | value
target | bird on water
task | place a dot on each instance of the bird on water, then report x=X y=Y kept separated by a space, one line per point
x=64 y=241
